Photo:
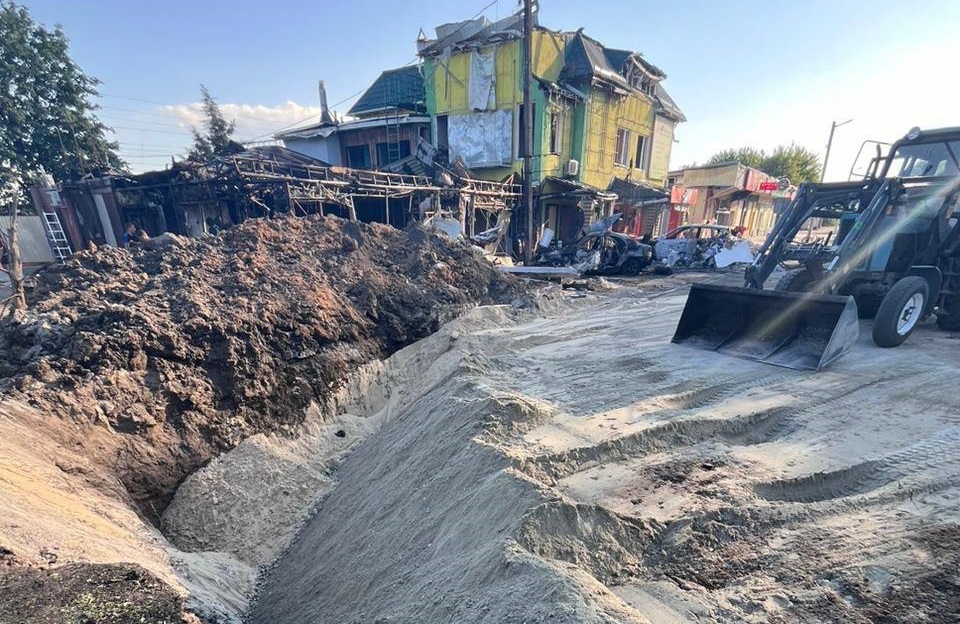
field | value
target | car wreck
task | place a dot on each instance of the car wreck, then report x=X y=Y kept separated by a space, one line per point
x=600 y=251
x=700 y=246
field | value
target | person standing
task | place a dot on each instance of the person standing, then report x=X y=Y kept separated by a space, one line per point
x=129 y=235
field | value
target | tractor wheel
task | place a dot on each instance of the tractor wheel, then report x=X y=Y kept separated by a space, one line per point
x=867 y=306
x=662 y=269
x=900 y=311
x=632 y=266
x=949 y=322
x=798 y=280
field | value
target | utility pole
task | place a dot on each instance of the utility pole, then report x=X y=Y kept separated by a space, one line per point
x=826 y=157
x=528 y=246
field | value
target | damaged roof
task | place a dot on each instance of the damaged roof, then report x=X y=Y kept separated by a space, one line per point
x=400 y=88
x=634 y=193
x=586 y=57
x=474 y=33
x=280 y=155
x=553 y=185
x=667 y=106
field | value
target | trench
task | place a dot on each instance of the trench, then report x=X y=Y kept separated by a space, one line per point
x=241 y=513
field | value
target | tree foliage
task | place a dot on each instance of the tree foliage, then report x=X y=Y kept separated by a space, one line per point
x=218 y=139
x=786 y=161
x=47 y=118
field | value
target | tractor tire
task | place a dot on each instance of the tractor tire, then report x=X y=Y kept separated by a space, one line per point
x=797 y=280
x=900 y=311
x=662 y=269
x=632 y=266
x=949 y=322
x=867 y=306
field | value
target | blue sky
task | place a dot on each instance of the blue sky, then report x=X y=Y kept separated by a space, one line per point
x=745 y=72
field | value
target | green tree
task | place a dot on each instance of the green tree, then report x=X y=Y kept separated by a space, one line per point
x=47 y=118
x=790 y=161
x=794 y=162
x=217 y=141
x=746 y=155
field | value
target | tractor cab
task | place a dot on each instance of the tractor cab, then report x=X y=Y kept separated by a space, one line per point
x=888 y=243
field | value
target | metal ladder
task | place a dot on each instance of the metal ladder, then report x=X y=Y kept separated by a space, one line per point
x=56 y=237
x=392 y=122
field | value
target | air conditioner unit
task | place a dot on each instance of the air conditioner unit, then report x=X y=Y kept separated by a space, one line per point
x=573 y=168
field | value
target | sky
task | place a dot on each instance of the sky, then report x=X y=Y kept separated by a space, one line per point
x=755 y=73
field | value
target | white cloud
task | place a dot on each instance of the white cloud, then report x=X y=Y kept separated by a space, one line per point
x=253 y=120
x=146 y=146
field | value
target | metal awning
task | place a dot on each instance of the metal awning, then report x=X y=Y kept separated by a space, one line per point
x=638 y=195
x=726 y=193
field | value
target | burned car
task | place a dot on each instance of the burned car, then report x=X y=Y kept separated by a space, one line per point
x=700 y=246
x=601 y=253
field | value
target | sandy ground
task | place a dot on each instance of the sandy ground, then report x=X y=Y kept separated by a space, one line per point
x=577 y=467
x=566 y=466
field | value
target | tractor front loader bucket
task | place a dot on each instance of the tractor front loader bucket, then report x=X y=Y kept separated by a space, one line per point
x=796 y=330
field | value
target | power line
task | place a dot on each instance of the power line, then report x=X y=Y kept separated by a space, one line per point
x=300 y=121
x=132 y=99
x=183 y=133
x=158 y=123
x=138 y=152
x=250 y=119
x=139 y=112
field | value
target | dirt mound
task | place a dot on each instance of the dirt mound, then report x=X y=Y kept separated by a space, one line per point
x=104 y=594
x=167 y=356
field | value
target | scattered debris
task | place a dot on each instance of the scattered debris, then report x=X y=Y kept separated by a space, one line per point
x=701 y=246
x=83 y=593
x=599 y=251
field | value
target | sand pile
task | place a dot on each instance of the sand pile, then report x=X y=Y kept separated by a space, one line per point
x=580 y=468
x=185 y=351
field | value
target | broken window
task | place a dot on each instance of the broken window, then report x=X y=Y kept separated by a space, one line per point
x=623 y=147
x=522 y=149
x=383 y=152
x=443 y=142
x=641 y=159
x=556 y=132
x=358 y=157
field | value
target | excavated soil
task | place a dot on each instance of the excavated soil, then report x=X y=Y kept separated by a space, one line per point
x=185 y=351
x=80 y=593
x=132 y=369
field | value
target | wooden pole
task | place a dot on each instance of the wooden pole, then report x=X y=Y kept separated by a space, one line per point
x=15 y=271
x=386 y=209
x=528 y=128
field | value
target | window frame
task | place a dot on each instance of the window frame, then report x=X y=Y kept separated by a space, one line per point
x=555 y=145
x=621 y=156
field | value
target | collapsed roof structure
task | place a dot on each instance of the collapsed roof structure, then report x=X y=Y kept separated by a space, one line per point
x=196 y=199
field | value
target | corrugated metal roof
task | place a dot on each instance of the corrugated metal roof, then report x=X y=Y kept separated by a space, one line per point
x=632 y=192
x=400 y=88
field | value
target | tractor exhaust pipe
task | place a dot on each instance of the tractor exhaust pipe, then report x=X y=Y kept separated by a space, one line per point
x=803 y=331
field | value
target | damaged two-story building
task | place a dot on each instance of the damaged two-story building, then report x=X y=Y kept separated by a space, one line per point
x=603 y=125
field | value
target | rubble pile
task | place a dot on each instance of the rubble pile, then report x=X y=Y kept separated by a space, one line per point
x=170 y=355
